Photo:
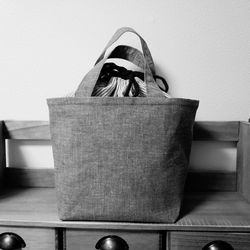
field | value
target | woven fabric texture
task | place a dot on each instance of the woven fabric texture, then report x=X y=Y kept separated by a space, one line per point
x=121 y=159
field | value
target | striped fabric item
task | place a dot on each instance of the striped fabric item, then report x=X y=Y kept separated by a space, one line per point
x=117 y=87
x=142 y=87
x=102 y=89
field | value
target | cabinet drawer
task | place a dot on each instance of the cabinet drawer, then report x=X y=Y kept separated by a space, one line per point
x=35 y=238
x=197 y=240
x=86 y=240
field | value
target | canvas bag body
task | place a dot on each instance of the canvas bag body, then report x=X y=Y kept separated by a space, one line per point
x=121 y=159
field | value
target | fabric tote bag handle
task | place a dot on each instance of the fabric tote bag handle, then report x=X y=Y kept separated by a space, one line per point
x=145 y=49
x=128 y=53
x=87 y=85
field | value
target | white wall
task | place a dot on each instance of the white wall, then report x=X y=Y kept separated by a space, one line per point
x=201 y=47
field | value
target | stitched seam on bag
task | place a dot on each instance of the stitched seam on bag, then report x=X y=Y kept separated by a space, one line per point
x=64 y=102
x=125 y=104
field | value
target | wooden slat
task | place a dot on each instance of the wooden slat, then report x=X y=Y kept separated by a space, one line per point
x=27 y=130
x=2 y=153
x=243 y=160
x=28 y=177
x=216 y=131
x=196 y=181
x=39 y=130
x=211 y=181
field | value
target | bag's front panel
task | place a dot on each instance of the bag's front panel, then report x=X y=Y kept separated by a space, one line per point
x=121 y=162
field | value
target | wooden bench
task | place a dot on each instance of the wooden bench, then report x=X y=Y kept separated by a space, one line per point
x=216 y=204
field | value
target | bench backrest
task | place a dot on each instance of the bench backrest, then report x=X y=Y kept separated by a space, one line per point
x=235 y=131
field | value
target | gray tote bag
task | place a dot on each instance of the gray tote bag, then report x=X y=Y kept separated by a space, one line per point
x=121 y=159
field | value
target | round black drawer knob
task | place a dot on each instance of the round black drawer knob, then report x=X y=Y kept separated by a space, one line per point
x=112 y=242
x=11 y=241
x=218 y=245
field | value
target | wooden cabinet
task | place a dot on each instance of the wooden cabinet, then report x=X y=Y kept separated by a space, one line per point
x=216 y=206
x=35 y=238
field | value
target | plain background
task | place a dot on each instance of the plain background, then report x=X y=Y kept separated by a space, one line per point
x=202 y=48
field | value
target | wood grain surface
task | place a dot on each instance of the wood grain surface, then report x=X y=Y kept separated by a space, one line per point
x=208 y=211
x=197 y=240
x=83 y=239
x=35 y=238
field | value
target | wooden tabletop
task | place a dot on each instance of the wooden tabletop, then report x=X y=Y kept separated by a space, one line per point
x=213 y=211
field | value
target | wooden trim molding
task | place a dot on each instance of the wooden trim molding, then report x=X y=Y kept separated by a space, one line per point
x=196 y=181
x=243 y=160
x=211 y=181
x=216 y=131
x=2 y=152
x=27 y=130
x=204 y=131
